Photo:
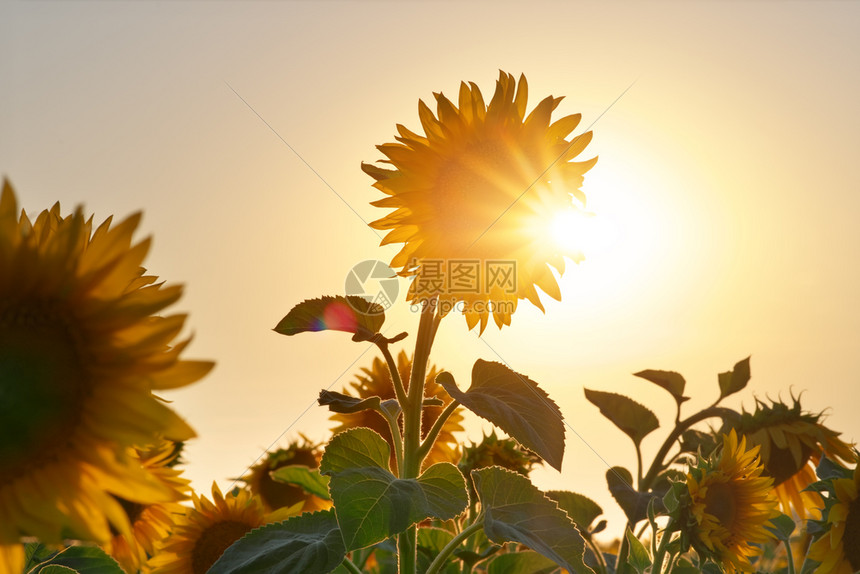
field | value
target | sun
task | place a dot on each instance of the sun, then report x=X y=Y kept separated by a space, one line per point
x=583 y=231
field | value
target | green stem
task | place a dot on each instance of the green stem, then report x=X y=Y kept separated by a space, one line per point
x=621 y=563
x=789 y=556
x=661 y=551
x=598 y=555
x=430 y=439
x=646 y=483
x=443 y=555
x=348 y=564
x=394 y=428
x=399 y=390
x=412 y=411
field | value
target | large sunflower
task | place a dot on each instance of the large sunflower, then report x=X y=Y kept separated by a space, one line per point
x=204 y=532
x=475 y=196
x=151 y=523
x=81 y=353
x=275 y=495
x=838 y=549
x=376 y=381
x=792 y=442
x=730 y=503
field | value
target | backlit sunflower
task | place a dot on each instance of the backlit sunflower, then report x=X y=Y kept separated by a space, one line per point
x=151 y=523
x=274 y=494
x=495 y=451
x=81 y=352
x=475 y=198
x=203 y=533
x=792 y=442
x=729 y=505
x=838 y=549
x=376 y=381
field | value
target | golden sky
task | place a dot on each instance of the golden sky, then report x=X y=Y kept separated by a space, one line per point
x=727 y=170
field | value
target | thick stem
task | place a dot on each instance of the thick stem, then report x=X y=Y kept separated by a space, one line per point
x=394 y=428
x=349 y=565
x=412 y=411
x=443 y=555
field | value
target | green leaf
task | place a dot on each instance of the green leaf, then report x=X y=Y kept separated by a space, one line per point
x=581 y=509
x=669 y=380
x=632 y=502
x=672 y=499
x=638 y=556
x=782 y=526
x=345 y=404
x=57 y=569
x=634 y=419
x=81 y=559
x=310 y=480
x=827 y=468
x=516 y=405
x=521 y=563
x=516 y=511
x=372 y=504
x=350 y=314
x=308 y=543
x=355 y=448
x=736 y=379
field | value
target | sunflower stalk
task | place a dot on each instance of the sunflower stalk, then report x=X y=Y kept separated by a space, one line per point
x=446 y=551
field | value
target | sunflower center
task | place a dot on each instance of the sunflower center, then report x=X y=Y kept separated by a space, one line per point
x=476 y=186
x=851 y=535
x=720 y=502
x=781 y=464
x=213 y=542
x=42 y=386
x=279 y=494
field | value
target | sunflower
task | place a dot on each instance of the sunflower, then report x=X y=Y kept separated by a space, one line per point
x=274 y=494
x=81 y=353
x=151 y=523
x=475 y=196
x=730 y=503
x=495 y=451
x=204 y=532
x=11 y=558
x=792 y=442
x=838 y=550
x=376 y=381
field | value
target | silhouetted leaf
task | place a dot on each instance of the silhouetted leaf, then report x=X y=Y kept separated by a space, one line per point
x=345 y=404
x=516 y=405
x=635 y=420
x=669 y=380
x=350 y=314
x=736 y=379
x=310 y=480
x=581 y=509
x=310 y=542
x=632 y=502
x=516 y=511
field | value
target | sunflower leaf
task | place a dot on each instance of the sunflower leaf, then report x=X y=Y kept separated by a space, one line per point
x=81 y=559
x=350 y=314
x=341 y=403
x=638 y=556
x=310 y=480
x=522 y=563
x=669 y=380
x=736 y=379
x=58 y=569
x=311 y=542
x=581 y=509
x=632 y=502
x=371 y=503
x=635 y=420
x=516 y=511
x=516 y=405
x=782 y=526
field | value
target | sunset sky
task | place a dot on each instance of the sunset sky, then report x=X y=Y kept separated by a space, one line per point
x=727 y=136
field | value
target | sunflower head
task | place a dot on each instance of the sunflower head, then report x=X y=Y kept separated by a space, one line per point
x=727 y=505
x=791 y=443
x=204 y=532
x=838 y=548
x=150 y=523
x=475 y=196
x=495 y=451
x=274 y=494
x=82 y=349
x=376 y=381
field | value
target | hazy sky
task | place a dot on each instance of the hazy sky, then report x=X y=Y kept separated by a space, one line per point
x=728 y=171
